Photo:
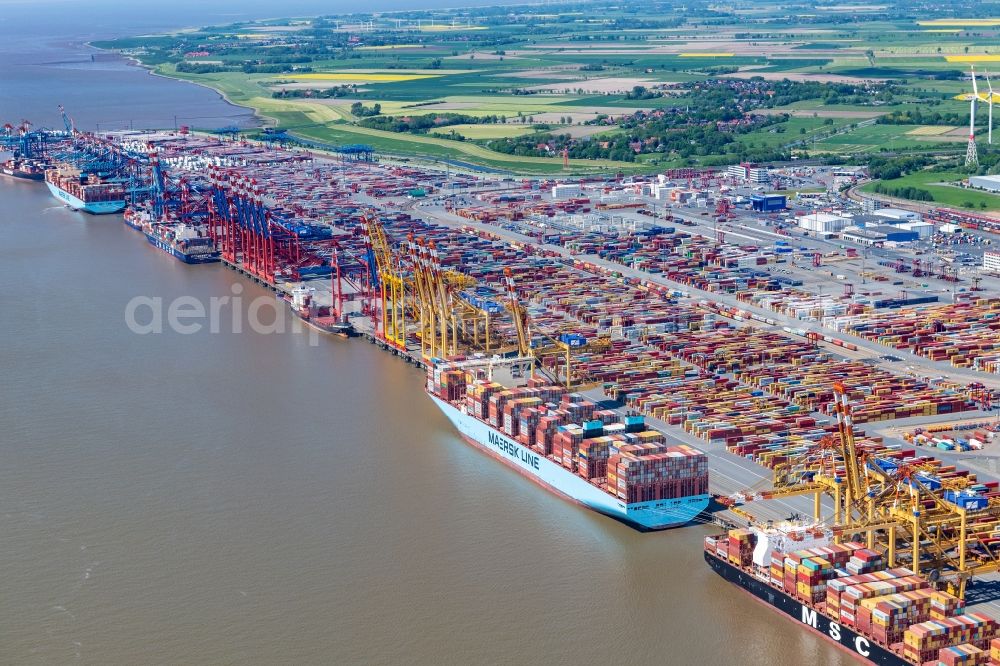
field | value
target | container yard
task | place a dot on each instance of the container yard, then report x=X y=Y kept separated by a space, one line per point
x=639 y=358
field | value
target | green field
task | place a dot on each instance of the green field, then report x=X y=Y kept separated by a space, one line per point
x=945 y=188
x=305 y=75
x=485 y=131
x=883 y=137
x=327 y=122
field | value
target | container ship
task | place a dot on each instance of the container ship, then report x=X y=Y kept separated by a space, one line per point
x=87 y=192
x=182 y=241
x=302 y=301
x=610 y=463
x=16 y=167
x=845 y=592
x=136 y=218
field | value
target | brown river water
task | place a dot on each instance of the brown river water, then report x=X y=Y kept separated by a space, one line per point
x=273 y=498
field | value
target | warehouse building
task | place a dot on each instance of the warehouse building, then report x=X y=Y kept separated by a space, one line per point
x=768 y=203
x=824 y=223
x=894 y=215
x=867 y=220
x=566 y=190
x=923 y=229
x=862 y=236
x=991 y=262
x=878 y=235
x=896 y=234
x=988 y=183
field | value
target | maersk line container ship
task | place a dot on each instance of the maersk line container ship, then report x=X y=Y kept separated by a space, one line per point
x=609 y=463
x=86 y=192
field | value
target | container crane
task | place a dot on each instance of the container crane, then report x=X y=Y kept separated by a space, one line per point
x=424 y=302
x=67 y=122
x=391 y=286
x=447 y=344
x=562 y=345
x=519 y=315
x=920 y=512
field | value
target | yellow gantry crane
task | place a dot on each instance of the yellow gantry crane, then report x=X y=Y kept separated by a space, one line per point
x=447 y=324
x=391 y=284
x=423 y=304
x=920 y=512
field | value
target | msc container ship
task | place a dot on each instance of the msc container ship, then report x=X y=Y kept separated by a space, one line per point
x=87 y=192
x=845 y=593
x=17 y=167
x=185 y=242
x=612 y=464
x=182 y=241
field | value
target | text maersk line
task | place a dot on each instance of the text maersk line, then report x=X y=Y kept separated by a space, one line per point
x=513 y=450
x=810 y=617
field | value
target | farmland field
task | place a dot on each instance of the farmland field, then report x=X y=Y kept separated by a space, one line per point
x=485 y=131
x=946 y=190
x=515 y=88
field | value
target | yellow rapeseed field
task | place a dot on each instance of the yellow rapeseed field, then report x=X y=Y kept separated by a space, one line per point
x=973 y=58
x=931 y=130
x=388 y=47
x=971 y=22
x=359 y=77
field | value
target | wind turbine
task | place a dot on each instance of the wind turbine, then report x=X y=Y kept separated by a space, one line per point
x=989 y=134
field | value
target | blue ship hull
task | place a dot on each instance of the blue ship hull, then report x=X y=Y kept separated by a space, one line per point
x=653 y=515
x=202 y=258
x=94 y=207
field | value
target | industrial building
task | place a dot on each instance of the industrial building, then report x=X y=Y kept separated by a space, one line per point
x=824 y=223
x=991 y=262
x=863 y=220
x=898 y=215
x=988 y=183
x=877 y=235
x=768 y=203
x=862 y=236
x=566 y=190
x=895 y=234
x=751 y=173
x=922 y=229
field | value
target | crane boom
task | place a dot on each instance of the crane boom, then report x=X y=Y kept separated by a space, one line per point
x=518 y=313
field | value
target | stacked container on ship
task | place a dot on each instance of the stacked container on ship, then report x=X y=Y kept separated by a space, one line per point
x=845 y=592
x=25 y=169
x=86 y=192
x=182 y=241
x=613 y=464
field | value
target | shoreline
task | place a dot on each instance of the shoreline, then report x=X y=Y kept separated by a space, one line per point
x=260 y=121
